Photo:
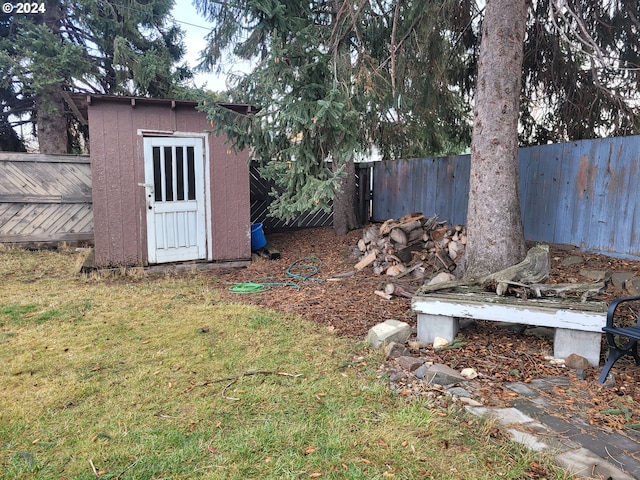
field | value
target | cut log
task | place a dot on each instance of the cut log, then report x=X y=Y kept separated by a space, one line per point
x=370 y=235
x=445 y=260
x=415 y=235
x=389 y=288
x=398 y=236
x=405 y=255
x=348 y=273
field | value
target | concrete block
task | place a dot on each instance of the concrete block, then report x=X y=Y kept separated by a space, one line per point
x=618 y=279
x=585 y=464
x=389 y=331
x=586 y=344
x=432 y=326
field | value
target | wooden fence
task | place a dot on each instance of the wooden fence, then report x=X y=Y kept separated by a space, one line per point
x=45 y=198
x=581 y=193
x=260 y=201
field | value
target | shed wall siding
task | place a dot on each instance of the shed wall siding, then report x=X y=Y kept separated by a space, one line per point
x=117 y=153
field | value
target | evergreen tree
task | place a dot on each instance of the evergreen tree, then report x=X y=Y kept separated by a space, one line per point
x=332 y=79
x=581 y=72
x=87 y=46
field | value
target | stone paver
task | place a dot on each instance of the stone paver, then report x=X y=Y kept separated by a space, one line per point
x=583 y=449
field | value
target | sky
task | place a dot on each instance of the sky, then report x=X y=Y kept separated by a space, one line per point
x=196 y=28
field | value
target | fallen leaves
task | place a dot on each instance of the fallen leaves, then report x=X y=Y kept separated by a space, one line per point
x=350 y=309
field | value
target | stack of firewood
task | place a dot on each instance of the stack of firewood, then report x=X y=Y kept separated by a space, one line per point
x=411 y=243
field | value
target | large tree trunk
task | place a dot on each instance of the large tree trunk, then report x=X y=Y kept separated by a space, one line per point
x=49 y=105
x=51 y=122
x=345 y=207
x=494 y=222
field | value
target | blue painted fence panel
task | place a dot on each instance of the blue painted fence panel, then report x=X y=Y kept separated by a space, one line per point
x=580 y=193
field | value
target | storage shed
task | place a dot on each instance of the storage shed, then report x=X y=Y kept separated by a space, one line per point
x=165 y=187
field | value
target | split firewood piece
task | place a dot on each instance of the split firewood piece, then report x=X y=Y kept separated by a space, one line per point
x=410 y=217
x=382 y=294
x=409 y=270
x=410 y=226
x=366 y=261
x=387 y=226
x=430 y=223
x=395 y=270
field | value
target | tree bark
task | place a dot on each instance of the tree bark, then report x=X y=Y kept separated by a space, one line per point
x=494 y=221
x=345 y=216
x=51 y=122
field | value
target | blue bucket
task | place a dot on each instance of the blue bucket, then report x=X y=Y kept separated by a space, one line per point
x=257 y=237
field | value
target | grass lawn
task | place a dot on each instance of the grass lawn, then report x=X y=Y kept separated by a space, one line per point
x=132 y=376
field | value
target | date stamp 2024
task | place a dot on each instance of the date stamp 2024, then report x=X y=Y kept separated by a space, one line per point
x=24 y=8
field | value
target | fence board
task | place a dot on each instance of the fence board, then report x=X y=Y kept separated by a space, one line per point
x=260 y=201
x=580 y=193
x=45 y=198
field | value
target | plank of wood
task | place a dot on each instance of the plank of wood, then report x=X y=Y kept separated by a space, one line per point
x=57 y=199
x=53 y=237
x=40 y=157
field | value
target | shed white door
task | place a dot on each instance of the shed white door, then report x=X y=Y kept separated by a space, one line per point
x=175 y=201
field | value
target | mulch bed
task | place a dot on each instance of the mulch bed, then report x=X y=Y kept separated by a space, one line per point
x=349 y=307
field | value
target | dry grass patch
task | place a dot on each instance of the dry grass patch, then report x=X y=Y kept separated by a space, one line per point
x=137 y=376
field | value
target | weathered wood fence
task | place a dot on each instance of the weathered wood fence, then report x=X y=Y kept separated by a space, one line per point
x=581 y=193
x=45 y=198
x=261 y=199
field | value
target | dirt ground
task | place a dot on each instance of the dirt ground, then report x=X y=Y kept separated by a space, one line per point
x=349 y=307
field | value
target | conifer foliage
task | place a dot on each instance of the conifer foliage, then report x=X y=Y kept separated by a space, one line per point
x=332 y=78
x=86 y=46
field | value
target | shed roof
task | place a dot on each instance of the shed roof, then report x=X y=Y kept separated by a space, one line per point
x=80 y=104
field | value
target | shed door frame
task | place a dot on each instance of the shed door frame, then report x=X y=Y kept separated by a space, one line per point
x=205 y=175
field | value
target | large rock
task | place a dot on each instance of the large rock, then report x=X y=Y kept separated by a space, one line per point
x=443 y=375
x=389 y=331
x=633 y=286
x=618 y=279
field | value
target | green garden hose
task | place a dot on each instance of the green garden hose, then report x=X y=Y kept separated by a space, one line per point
x=306 y=271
